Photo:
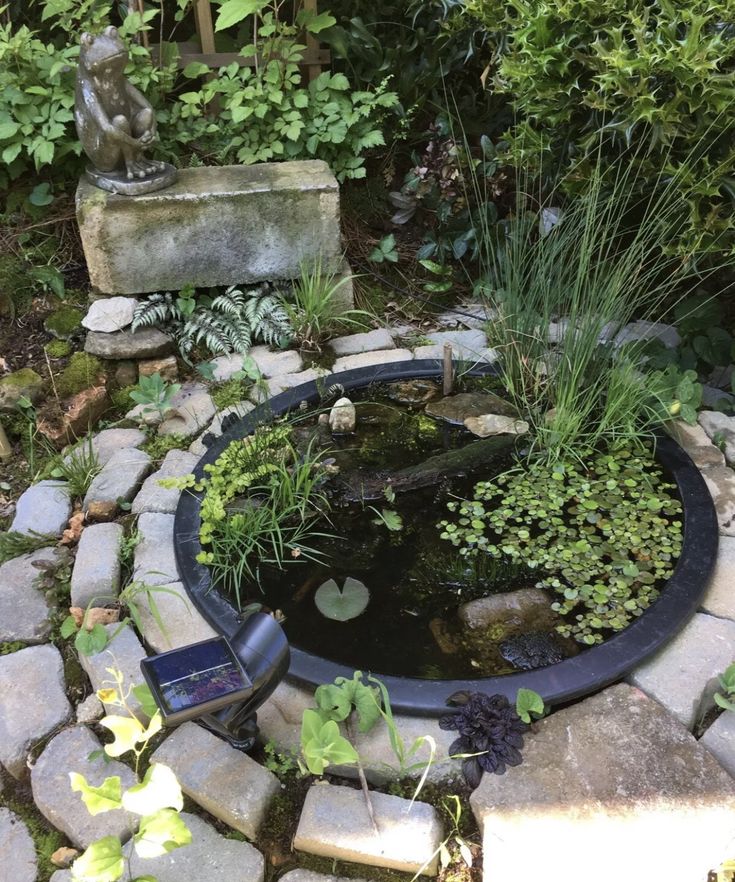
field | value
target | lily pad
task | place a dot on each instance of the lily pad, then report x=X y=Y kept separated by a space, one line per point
x=343 y=604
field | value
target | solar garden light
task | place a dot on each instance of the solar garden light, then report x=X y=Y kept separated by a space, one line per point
x=221 y=682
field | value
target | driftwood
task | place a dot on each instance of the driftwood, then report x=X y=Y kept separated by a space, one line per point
x=432 y=471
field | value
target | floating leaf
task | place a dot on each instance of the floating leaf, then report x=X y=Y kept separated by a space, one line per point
x=342 y=605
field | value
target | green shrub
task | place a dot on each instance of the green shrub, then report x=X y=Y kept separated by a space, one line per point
x=653 y=75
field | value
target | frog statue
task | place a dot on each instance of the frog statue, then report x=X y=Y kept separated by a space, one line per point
x=115 y=122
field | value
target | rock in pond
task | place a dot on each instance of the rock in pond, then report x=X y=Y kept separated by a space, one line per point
x=342 y=417
x=494 y=424
x=413 y=393
x=455 y=409
x=526 y=652
x=514 y=612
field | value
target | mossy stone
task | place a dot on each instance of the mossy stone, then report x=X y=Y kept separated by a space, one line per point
x=58 y=348
x=64 y=323
x=83 y=372
x=23 y=383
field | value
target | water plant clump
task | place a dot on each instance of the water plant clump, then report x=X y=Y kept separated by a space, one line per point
x=604 y=535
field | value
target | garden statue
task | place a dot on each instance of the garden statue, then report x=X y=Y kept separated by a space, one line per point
x=115 y=122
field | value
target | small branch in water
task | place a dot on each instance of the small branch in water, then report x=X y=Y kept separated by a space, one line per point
x=448 y=373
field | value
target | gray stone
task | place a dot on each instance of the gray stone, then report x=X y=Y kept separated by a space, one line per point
x=198 y=447
x=719 y=739
x=155 y=558
x=368 y=341
x=335 y=823
x=167 y=368
x=123 y=653
x=468 y=345
x=17 y=852
x=45 y=507
x=455 y=409
x=270 y=364
x=615 y=768
x=342 y=417
x=721 y=427
x=643 y=330
x=110 y=314
x=311 y=876
x=96 y=574
x=493 y=424
x=720 y=597
x=90 y=710
x=39 y=672
x=370 y=359
x=109 y=442
x=683 y=675
x=224 y=781
x=24 y=611
x=191 y=410
x=714 y=397
x=155 y=498
x=69 y=752
x=720 y=481
x=470 y=315
x=209 y=858
x=23 y=383
x=144 y=343
x=696 y=443
x=215 y=226
x=120 y=478
x=527 y=609
x=184 y=623
x=261 y=392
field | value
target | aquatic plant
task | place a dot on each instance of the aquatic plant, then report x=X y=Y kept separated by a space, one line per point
x=490 y=734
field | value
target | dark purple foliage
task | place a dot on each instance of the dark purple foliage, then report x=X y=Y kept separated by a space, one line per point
x=487 y=726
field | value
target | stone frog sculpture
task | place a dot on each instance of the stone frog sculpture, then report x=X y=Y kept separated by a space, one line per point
x=115 y=122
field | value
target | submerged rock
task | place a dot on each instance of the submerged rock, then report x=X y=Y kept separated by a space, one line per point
x=529 y=651
x=413 y=393
x=342 y=417
x=514 y=612
x=494 y=424
x=455 y=409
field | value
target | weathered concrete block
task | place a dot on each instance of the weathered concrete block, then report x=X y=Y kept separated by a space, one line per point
x=96 y=574
x=17 y=852
x=123 y=653
x=720 y=597
x=214 y=226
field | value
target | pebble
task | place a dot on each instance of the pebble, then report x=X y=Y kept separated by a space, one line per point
x=342 y=417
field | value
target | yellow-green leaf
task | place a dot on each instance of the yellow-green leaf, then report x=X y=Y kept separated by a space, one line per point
x=101 y=862
x=105 y=798
x=161 y=833
x=159 y=789
x=127 y=731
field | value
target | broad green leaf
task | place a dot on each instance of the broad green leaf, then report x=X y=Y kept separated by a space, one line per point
x=101 y=862
x=146 y=699
x=334 y=702
x=233 y=11
x=161 y=833
x=390 y=519
x=528 y=702
x=342 y=605
x=105 y=798
x=127 y=731
x=68 y=627
x=91 y=642
x=324 y=746
x=195 y=69
x=159 y=789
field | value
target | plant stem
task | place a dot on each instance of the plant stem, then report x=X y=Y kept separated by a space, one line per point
x=361 y=775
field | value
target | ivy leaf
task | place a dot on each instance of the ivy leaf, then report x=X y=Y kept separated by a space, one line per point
x=105 y=798
x=101 y=862
x=127 y=731
x=159 y=789
x=146 y=700
x=91 y=642
x=68 y=627
x=161 y=833
x=342 y=605
x=529 y=702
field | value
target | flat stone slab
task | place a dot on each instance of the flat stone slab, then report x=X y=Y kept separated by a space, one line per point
x=367 y=341
x=644 y=330
x=154 y=561
x=214 y=226
x=120 y=478
x=214 y=429
x=155 y=498
x=45 y=507
x=69 y=752
x=311 y=876
x=96 y=573
x=191 y=410
x=184 y=623
x=17 y=851
x=90 y=710
x=144 y=343
x=615 y=768
x=284 y=382
x=37 y=671
x=335 y=823
x=720 y=482
x=109 y=314
x=224 y=781
x=123 y=653
x=720 y=597
x=470 y=345
x=697 y=444
x=109 y=441
x=24 y=612
x=719 y=739
x=371 y=359
x=683 y=675
x=720 y=427
x=270 y=364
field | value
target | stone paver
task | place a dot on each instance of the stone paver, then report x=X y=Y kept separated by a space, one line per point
x=311 y=876
x=369 y=341
x=110 y=314
x=109 y=441
x=17 y=852
x=155 y=559
x=155 y=498
x=96 y=574
x=719 y=739
x=335 y=823
x=184 y=623
x=470 y=315
x=720 y=597
x=697 y=444
x=643 y=330
x=24 y=611
x=224 y=781
x=720 y=481
x=722 y=428
x=90 y=710
x=191 y=410
x=69 y=752
x=683 y=675
x=122 y=653
x=39 y=672
x=468 y=345
x=144 y=343
x=45 y=507
x=371 y=359
x=214 y=430
x=120 y=478
x=615 y=768
x=270 y=364
x=276 y=385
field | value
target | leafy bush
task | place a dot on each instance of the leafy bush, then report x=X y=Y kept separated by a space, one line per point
x=633 y=74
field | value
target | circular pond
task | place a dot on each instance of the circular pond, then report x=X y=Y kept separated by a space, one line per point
x=404 y=637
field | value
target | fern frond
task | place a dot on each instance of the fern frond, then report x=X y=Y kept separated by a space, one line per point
x=232 y=302
x=159 y=310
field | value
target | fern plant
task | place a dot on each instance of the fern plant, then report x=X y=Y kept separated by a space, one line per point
x=231 y=322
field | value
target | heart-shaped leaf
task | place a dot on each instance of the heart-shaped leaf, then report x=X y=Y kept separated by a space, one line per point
x=342 y=605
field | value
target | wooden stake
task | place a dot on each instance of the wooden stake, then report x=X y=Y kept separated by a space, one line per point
x=6 y=451
x=448 y=373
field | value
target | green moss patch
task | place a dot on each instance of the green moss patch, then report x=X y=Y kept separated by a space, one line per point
x=64 y=323
x=83 y=372
x=58 y=348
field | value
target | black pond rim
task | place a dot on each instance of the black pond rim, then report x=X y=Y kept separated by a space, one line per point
x=572 y=678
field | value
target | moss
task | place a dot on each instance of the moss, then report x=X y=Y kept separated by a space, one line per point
x=7 y=648
x=333 y=867
x=64 y=323
x=121 y=400
x=16 y=294
x=82 y=372
x=158 y=446
x=229 y=393
x=58 y=348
